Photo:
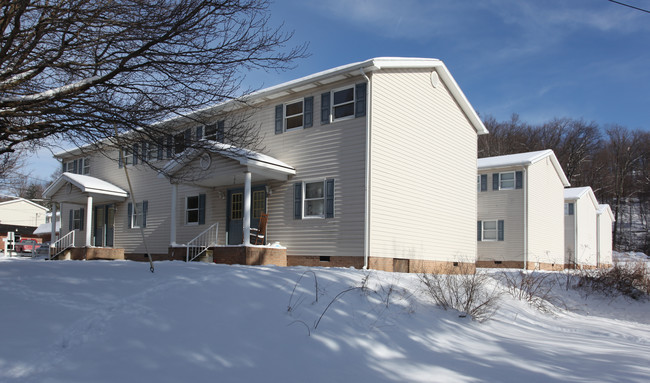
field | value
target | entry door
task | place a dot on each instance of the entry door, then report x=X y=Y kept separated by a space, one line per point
x=104 y=225
x=235 y=225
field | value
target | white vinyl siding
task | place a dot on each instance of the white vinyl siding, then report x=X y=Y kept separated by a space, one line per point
x=422 y=145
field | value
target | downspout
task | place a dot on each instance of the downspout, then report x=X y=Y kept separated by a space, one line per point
x=597 y=240
x=366 y=210
x=525 y=186
x=575 y=239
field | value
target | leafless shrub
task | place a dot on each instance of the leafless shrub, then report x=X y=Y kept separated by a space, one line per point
x=292 y=305
x=628 y=279
x=533 y=287
x=467 y=292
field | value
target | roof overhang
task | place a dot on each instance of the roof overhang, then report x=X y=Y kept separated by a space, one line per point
x=602 y=208
x=574 y=194
x=87 y=185
x=523 y=160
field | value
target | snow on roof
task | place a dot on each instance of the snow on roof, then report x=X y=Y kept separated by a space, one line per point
x=576 y=193
x=340 y=73
x=522 y=159
x=46 y=228
x=23 y=200
x=605 y=208
x=87 y=184
x=243 y=156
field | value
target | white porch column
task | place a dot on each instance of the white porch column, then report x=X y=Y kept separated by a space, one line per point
x=89 y=221
x=53 y=222
x=172 y=231
x=247 y=208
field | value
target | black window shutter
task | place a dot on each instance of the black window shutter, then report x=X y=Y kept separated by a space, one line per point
x=571 y=211
x=297 y=200
x=201 y=209
x=64 y=166
x=199 y=132
x=360 y=102
x=82 y=215
x=329 y=199
x=170 y=145
x=74 y=167
x=70 y=224
x=129 y=214
x=279 y=111
x=500 y=233
x=479 y=228
x=519 y=180
x=135 y=154
x=145 y=148
x=119 y=159
x=325 y=108
x=188 y=138
x=309 y=112
x=145 y=207
x=221 y=130
x=160 y=152
x=495 y=181
x=484 y=182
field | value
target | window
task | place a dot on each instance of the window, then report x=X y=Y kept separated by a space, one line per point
x=482 y=183
x=507 y=181
x=490 y=230
x=293 y=114
x=86 y=165
x=343 y=103
x=151 y=152
x=76 y=219
x=137 y=217
x=237 y=206
x=314 y=199
x=259 y=203
x=179 y=143
x=215 y=132
x=79 y=166
x=195 y=210
x=569 y=208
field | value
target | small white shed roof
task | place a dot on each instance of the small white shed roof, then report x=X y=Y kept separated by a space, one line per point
x=573 y=194
x=602 y=208
x=522 y=159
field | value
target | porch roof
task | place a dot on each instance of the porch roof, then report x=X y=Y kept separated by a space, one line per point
x=86 y=184
x=263 y=165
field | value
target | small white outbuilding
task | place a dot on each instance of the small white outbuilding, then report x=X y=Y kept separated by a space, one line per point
x=605 y=219
x=580 y=227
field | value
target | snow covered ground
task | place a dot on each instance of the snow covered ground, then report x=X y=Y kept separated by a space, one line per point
x=114 y=321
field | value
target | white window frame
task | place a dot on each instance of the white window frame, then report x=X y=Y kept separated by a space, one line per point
x=76 y=219
x=478 y=183
x=197 y=209
x=514 y=181
x=85 y=166
x=305 y=199
x=287 y=116
x=69 y=166
x=353 y=102
x=566 y=208
x=496 y=230
x=138 y=207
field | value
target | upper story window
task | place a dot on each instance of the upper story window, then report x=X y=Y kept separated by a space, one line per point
x=342 y=103
x=78 y=166
x=293 y=115
x=481 y=182
x=215 y=132
x=507 y=181
x=569 y=208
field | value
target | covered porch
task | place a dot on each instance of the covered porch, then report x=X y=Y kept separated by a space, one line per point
x=243 y=179
x=90 y=228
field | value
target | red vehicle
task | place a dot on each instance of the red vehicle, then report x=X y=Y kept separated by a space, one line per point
x=25 y=246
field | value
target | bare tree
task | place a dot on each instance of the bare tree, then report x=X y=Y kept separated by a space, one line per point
x=84 y=70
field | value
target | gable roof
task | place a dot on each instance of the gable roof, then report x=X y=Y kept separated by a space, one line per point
x=23 y=200
x=574 y=194
x=245 y=157
x=87 y=184
x=333 y=75
x=522 y=159
x=602 y=208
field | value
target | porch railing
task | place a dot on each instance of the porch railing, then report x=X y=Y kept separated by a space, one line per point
x=202 y=242
x=64 y=243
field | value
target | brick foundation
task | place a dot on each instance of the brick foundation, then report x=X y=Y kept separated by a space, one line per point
x=500 y=264
x=420 y=266
x=244 y=255
x=329 y=261
x=90 y=253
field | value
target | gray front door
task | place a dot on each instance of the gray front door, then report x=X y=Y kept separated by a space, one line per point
x=235 y=222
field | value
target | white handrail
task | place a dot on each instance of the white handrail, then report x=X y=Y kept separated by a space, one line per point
x=62 y=244
x=202 y=242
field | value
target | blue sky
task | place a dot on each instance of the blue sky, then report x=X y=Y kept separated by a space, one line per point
x=585 y=59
